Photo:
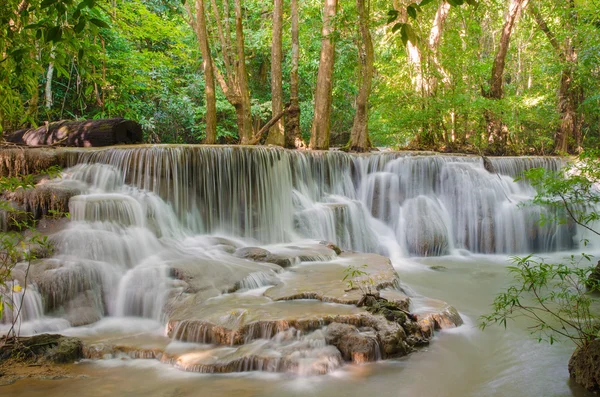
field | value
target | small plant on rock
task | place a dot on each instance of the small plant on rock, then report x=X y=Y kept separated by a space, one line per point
x=356 y=278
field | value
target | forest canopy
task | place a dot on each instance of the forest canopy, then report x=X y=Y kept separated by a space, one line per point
x=493 y=76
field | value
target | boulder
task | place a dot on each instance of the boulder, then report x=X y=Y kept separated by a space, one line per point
x=584 y=366
x=262 y=255
x=355 y=346
x=44 y=348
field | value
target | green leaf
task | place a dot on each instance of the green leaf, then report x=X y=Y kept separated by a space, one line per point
x=425 y=2
x=53 y=34
x=100 y=23
x=412 y=12
x=86 y=4
x=47 y=3
x=80 y=54
x=403 y=34
x=80 y=26
x=392 y=16
x=396 y=27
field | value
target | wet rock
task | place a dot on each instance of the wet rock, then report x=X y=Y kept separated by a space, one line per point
x=19 y=161
x=253 y=253
x=231 y=320
x=324 y=280
x=262 y=255
x=331 y=246
x=44 y=348
x=209 y=277
x=357 y=347
x=436 y=318
x=44 y=199
x=584 y=366
x=438 y=268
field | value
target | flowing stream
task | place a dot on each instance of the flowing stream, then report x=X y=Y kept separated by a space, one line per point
x=145 y=215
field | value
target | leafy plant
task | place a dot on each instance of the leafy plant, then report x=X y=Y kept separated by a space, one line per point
x=553 y=296
x=557 y=298
x=356 y=278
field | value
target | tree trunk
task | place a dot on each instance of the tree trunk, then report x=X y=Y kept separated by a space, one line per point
x=435 y=37
x=49 y=76
x=277 y=134
x=497 y=80
x=209 y=75
x=569 y=94
x=497 y=131
x=293 y=135
x=89 y=133
x=359 y=137
x=319 y=135
x=243 y=109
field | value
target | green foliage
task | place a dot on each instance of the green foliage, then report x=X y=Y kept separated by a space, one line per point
x=356 y=278
x=553 y=297
x=558 y=299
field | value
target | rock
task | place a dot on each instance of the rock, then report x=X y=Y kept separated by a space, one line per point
x=262 y=255
x=584 y=366
x=253 y=253
x=324 y=280
x=45 y=199
x=438 y=268
x=436 y=316
x=44 y=348
x=357 y=347
x=22 y=161
x=67 y=350
x=331 y=246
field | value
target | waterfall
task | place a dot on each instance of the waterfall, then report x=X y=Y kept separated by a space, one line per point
x=431 y=204
x=139 y=225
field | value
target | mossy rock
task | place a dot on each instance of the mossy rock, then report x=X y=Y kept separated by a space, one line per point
x=51 y=348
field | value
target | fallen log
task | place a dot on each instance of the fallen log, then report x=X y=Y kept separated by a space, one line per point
x=87 y=133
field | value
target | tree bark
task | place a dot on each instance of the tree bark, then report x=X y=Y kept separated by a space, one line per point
x=49 y=76
x=209 y=75
x=497 y=131
x=319 y=135
x=435 y=37
x=359 y=137
x=243 y=110
x=89 y=133
x=569 y=94
x=497 y=80
x=293 y=135
x=277 y=133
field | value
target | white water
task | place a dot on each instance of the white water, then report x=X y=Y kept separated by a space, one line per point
x=144 y=209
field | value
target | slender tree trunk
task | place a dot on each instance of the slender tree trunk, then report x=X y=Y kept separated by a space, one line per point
x=209 y=76
x=569 y=94
x=49 y=76
x=435 y=37
x=277 y=134
x=497 y=132
x=243 y=110
x=319 y=135
x=359 y=137
x=293 y=135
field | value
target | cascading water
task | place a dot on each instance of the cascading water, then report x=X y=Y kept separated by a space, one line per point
x=432 y=204
x=139 y=231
